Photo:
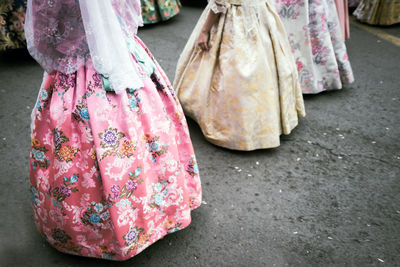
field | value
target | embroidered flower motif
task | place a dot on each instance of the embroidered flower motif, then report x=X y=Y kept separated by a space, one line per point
x=144 y=238
x=299 y=65
x=132 y=235
x=105 y=215
x=65 y=81
x=98 y=207
x=94 y=218
x=96 y=214
x=115 y=190
x=131 y=185
x=137 y=172
x=123 y=203
x=127 y=148
x=60 y=236
x=158 y=199
x=96 y=79
x=38 y=155
x=64 y=190
x=84 y=114
x=154 y=147
x=193 y=168
x=61 y=192
x=159 y=194
x=110 y=138
x=59 y=138
x=132 y=103
x=67 y=153
x=74 y=179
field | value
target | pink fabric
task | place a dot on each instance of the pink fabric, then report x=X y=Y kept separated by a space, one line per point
x=110 y=173
x=343 y=13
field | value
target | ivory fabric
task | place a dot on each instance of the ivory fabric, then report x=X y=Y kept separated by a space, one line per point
x=244 y=92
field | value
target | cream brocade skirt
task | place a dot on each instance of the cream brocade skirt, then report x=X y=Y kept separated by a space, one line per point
x=244 y=92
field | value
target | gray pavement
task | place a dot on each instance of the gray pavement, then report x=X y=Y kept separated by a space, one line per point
x=328 y=196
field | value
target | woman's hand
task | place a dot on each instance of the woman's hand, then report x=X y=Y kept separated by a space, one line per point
x=204 y=36
x=202 y=41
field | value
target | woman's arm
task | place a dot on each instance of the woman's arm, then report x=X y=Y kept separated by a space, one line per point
x=202 y=41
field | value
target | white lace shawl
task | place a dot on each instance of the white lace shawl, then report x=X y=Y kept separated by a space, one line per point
x=63 y=34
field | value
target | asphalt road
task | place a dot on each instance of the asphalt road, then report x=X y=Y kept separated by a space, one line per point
x=328 y=196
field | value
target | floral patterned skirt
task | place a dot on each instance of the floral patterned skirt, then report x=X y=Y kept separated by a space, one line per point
x=159 y=10
x=110 y=173
x=317 y=43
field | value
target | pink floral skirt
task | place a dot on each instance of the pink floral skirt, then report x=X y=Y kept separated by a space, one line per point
x=110 y=173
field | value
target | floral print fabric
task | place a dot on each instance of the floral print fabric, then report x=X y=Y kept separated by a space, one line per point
x=317 y=44
x=12 y=18
x=159 y=10
x=244 y=73
x=110 y=173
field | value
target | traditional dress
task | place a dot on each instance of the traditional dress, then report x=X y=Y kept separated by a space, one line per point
x=243 y=92
x=12 y=18
x=112 y=170
x=317 y=44
x=159 y=10
x=342 y=7
x=378 y=12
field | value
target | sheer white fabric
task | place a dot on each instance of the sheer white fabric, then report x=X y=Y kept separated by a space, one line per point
x=108 y=45
x=63 y=34
x=129 y=13
x=55 y=35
